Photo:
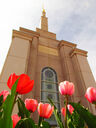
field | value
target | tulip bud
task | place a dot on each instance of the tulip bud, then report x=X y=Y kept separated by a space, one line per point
x=5 y=93
x=15 y=119
x=91 y=95
x=66 y=88
x=45 y=110
x=70 y=108
x=31 y=104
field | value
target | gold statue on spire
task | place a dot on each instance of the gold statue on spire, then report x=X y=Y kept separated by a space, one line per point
x=43 y=12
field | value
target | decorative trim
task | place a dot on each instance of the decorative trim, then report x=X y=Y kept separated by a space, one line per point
x=66 y=43
x=78 y=51
x=21 y=35
x=29 y=31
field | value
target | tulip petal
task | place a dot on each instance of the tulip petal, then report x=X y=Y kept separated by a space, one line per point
x=31 y=104
x=50 y=112
x=40 y=109
x=22 y=81
x=47 y=108
x=91 y=94
x=66 y=88
x=13 y=77
x=26 y=88
x=15 y=119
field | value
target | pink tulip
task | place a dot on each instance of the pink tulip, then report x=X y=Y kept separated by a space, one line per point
x=45 y=110
x=31 y=104
x=15 y=119
x=66 y=88
x=70 y=108
x=91 y=95
x=5 y=93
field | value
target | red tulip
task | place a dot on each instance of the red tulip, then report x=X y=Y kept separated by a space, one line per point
x=5 y=93
x=70 y=108
x=91 y=95
x=66 y=88
x=24 y=85
x=15 y=119
x=45 y=110
x=31 y=104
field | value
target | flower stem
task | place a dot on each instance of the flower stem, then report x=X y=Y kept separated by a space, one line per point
x=66 y=98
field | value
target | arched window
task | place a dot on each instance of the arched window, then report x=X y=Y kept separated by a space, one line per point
x=49 y=88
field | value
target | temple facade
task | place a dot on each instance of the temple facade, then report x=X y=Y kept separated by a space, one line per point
x=48 y=62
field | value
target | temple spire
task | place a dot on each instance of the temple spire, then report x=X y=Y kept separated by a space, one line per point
x=43 y=11
x=44 y=20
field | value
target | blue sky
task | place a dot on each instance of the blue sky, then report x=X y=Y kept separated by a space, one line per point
x=71 y=20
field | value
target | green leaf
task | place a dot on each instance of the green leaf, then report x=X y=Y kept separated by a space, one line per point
x=23 y=112
x=1 y=100
x=26 y=123
x=77 y=121
x=6 y=121
x=56 y=113
x=45 y=125
x=69 y=120
x=40 y=121
x=88 y=117
x=13 y=89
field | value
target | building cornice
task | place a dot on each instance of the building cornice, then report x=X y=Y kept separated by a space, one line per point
x=66 y=43
x=33 y=33
x=22 y=35
x=78 y=51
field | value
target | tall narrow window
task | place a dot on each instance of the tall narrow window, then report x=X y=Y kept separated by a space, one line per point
x=49 y=88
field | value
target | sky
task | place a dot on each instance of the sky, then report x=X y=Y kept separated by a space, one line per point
x=71 y=20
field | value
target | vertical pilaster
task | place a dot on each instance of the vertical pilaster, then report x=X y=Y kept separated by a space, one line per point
x=68 y=71
x=32 y=62
x=83 y=75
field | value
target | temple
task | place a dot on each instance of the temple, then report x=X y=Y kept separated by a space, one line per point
x=48 y=62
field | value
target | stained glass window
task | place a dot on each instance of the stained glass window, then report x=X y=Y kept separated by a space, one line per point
x=49 y=88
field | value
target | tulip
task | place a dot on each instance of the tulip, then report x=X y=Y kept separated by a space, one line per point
x=66 y=88
x=5 y=93
x=70 y=108
x=24 y=85
x=45 y=110
x=91 y=95
x=31 y=104
x=15 y=119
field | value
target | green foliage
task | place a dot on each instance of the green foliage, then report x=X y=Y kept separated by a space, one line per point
x=23 y=112
x=25 y=123
x=77 y=121
x=56 y=113
x=88 y=117
x=74 y=120
x=1 y=100
x=45 y=124
x=69 y=120
x=42 y=123
x=1 y=105
x=5 y=121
